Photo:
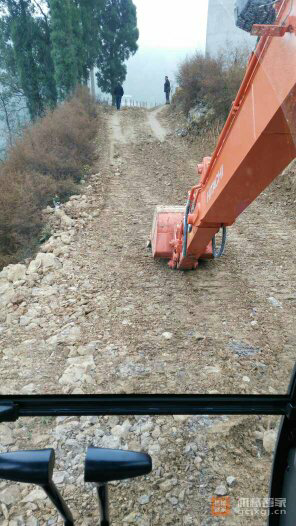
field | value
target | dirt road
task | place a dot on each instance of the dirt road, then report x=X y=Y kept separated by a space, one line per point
x=140 y=327
x=233 y=318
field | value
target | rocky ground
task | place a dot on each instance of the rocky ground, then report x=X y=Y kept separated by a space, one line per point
x=93 y=313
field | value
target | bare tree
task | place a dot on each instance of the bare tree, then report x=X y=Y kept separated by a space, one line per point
x=4 y=108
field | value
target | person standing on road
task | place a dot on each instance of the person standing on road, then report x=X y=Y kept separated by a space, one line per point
x=118 y=93
x=167 y=89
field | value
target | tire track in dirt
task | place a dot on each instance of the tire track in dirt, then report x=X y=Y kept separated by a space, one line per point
x=157 y=129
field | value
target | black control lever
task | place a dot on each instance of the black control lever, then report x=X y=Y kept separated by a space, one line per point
x=35 y=467
x=106 y=465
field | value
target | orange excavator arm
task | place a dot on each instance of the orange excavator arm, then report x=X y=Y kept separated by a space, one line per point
x=257 y=143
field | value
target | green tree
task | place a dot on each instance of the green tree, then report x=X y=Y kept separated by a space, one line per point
x=43 y=56
x=90 y=13
x=9 y=78
x=12 y=99
x=77 y=38
x=63 y=46
x=85 y=19
x=26 y=63
x=119 y=35
x=21 y=26
x=47 y=47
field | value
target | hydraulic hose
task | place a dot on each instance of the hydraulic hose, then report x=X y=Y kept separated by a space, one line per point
x=220 y=252
x=185 y=233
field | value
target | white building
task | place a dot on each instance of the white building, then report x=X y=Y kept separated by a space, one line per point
x=222 y=32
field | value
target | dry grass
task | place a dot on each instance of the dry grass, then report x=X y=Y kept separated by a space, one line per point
x=50 y=159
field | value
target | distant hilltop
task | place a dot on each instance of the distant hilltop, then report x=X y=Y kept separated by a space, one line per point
x=222 y=31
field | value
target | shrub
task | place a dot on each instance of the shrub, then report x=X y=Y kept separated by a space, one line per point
x=49 y=159
x=211 y=81
x=60 y=143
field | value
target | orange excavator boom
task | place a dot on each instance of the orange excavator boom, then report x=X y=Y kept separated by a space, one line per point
x=257 y=143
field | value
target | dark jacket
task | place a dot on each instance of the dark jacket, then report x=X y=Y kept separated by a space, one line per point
x=118 y=91
x=167 y=86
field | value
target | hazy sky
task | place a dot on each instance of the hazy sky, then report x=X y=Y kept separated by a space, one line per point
x=169 y=30
x=171 y=23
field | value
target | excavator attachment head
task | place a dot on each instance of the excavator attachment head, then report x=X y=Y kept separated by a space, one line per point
x=250 y=12
x=165 y=222
x=168 y=240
